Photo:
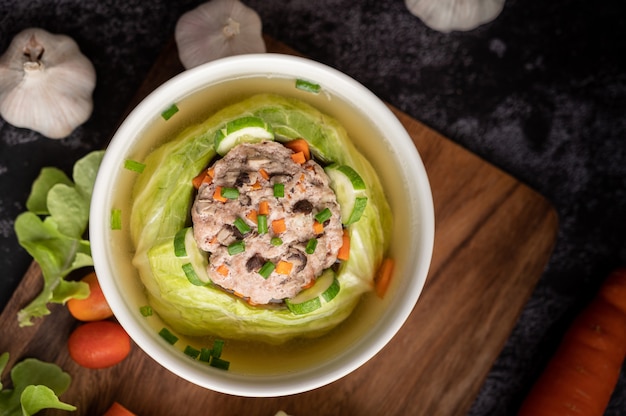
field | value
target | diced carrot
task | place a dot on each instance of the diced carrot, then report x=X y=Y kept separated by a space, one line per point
x=283 y=267
x=206 y=176
x=252 y=216
x=299 y=145
x=256 y=185
x=299 y=158
x=318 y=227
x=117 y=409
x=264 y=174
x=344 y=251
x=308 y=285
x=264 y=208
x=217 y=195
x=383 y=277
x=278 y=226
x=222 y=269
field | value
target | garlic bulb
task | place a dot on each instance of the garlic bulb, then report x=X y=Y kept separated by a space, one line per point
x=217 y=29
x=45 y=83
x=449 y=15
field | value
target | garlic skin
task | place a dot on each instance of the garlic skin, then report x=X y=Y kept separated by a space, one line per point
x=46 y=83
x=217 y=29
x=448 y=15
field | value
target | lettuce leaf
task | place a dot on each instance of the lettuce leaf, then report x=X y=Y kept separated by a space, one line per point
x=37 y=385
x=52 y=232
x=161 y=207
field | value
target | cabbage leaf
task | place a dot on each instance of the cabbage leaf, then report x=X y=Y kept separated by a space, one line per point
x=162 y=203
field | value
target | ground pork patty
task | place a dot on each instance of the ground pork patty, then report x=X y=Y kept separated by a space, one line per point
x=254 y=169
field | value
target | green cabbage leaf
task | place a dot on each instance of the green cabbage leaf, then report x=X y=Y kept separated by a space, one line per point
x=162 y=200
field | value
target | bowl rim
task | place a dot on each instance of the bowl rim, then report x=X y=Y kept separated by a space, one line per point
x=177 y=88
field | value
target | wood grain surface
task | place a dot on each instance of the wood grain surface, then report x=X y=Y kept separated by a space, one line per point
x=493 y=238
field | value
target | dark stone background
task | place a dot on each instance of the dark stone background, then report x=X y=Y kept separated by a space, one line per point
x=540 y=92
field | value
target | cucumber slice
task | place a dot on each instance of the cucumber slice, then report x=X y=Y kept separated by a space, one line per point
x=185 y=247
x=350 y=190
x=242 y=130
x=324 y=290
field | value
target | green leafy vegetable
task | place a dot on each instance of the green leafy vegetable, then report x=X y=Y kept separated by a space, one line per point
x=52 y=232
x=37 y=385
x=161 y=206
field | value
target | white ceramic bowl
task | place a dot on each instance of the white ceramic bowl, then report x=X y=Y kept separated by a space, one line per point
x=393 y=154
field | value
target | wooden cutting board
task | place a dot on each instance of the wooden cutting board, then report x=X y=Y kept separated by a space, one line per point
x=493 y=238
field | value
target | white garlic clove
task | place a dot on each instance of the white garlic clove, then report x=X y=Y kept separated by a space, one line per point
x=46 y=83
x=448 y=15
x=217 y=29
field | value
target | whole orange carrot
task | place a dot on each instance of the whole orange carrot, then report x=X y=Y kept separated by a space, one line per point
x=581 y=376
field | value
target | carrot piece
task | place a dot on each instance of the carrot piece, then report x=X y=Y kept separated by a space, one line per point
x=92 y=308
x=318 y=227
x=383 y=277
x=278 y=226
x=264 y=208
x=222 y=269
x=264 y=174
x=299 y=158
x=283 y=267
x=256 y=185
x=344 y=251
x=584 y=370
x=206 y=176
x=308 y=285
x=252 y=216
x=299 y=145
x=117 y=409
x=217 y=195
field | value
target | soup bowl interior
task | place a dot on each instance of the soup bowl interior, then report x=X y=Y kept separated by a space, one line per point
x=377 y=134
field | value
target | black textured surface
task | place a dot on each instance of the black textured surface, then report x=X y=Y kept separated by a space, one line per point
x=540 y=92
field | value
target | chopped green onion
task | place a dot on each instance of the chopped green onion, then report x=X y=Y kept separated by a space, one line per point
x=276 y=241
x=134 y=165
x=267 y=269
x=146 y=310
x=116 y=219
x=219 y=363
x=323 y=215
x=205 y=354
x=311 y=246
x=308 y=86
x=179 y=242
x=218 y=346
x=236 y=247
x=230 y=193
x=279 y=190
x=261 y=221
x=168 y=336
x=241 y=225
x=192 y=276
x=191 y=351
x=167 y=114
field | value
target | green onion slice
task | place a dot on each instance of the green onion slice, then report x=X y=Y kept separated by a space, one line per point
x=266 y=270
x=167 y=335
x=145 y=310
x=279 y=190
x=116 y=219
x=261 y=221
x=323 y=215
x=134 y=165
x=241 y=225
x=311 y=246
x=308 y=86
x=230 y=193
x=191 y=351
x=276 y=241
x=219 y=363
x=167 y=114
x=236 y=247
